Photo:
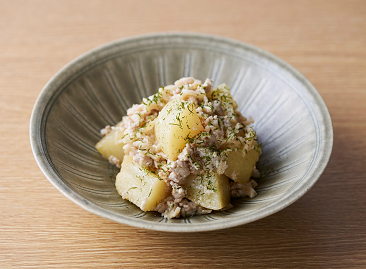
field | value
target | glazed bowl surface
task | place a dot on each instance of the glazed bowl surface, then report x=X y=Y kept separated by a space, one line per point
x=95 y=90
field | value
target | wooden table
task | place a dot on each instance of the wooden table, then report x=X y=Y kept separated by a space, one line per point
x=325 y=40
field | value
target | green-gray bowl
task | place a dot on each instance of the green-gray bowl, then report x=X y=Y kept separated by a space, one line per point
x=291 y=120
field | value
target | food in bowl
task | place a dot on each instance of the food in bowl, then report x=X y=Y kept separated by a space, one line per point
x=183 y=151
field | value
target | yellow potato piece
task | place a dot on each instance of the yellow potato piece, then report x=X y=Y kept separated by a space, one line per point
x=211 y=191
x=108 y=145
x=240 y=164
x=176 y=124
x=139 y=185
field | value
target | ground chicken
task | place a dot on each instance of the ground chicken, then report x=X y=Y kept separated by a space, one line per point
x=222 y=124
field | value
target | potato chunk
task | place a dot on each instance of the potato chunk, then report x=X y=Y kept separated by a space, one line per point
x=240 y=164
x=108 y=145
x=139 y=185
x=211 y=191
x=177 y=122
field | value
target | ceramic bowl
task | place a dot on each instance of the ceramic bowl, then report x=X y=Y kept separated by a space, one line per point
x=291 y=120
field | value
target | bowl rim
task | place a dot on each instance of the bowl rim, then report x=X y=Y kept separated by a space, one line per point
x=46 y=94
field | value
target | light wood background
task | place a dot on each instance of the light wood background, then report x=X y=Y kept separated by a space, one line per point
x=325 y=40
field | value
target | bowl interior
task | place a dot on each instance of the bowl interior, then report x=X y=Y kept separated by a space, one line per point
x=96 y=89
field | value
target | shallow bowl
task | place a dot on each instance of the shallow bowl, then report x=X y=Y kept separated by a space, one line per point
x=94 y=90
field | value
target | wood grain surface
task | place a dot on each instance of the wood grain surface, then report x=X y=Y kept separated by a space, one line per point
x=325 y=40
